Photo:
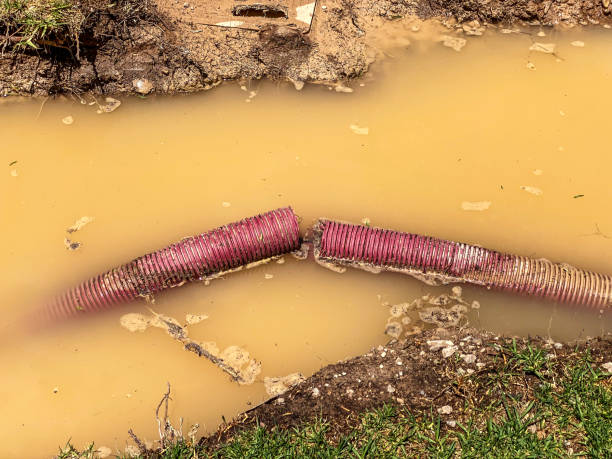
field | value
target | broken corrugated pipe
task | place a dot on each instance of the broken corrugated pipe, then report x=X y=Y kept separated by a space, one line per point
x=193 y=258
x=377 y=249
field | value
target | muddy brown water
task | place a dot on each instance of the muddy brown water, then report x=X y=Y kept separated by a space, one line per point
x=472 y=146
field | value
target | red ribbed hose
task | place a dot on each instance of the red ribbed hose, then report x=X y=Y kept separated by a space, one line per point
x=349 y=244
x=193 y=258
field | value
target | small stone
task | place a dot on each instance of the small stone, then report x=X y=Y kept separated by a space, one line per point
x=390 y=388
x=541 y=34
x=142 y=86
x=315 y=392
x=457 y=291
x=607 y=366
x=437 y=344
x=451 y=423
x=398 y=361
x=531 y=66
x=448 y=351
x=446 y=409
x=480 y=365
x=350 y=392
x=469 y=358
x=558 y=345
x=268 y=276
x=68 y=120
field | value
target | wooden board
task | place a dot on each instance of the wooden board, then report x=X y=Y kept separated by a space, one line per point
x=244 y=14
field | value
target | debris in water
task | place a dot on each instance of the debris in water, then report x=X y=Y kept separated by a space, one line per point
x=193 y=319
x=55 y=390
x=225 y=204
x=111 y=105
x=14 y=173
x=415 y=28
x=298 y=84
x=394 y=329
x=134 y=322
x=538 y=172
x=366 y=221
x=541 y=34
x=80 y=223
x=71 y=245
x=547 y=48
x=68 y=120
x=280 y=385
x=531 y=66
x=440 y=316
x=473 y=28
x=578 y=44
x=268 y=276
x=234 y=360
x=576 y=196
x=341 y=88
x=280 y=261
x=437 y=344
x=478 y=205
x=359 y=130
x=532 y=189
x=455 y=43
x=103 y=451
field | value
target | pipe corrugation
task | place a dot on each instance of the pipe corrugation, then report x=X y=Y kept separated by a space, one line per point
x=354 y=245
x=193 y=258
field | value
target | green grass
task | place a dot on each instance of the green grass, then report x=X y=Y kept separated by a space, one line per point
x=30 y=23
x=562 y=410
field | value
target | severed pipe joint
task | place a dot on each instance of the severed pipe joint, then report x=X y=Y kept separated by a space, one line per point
x=194 y=258
x=380 y=249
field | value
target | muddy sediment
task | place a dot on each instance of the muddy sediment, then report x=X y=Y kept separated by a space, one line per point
x=159 y=47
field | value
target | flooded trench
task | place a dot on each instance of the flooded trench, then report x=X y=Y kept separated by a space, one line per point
x=494 y=145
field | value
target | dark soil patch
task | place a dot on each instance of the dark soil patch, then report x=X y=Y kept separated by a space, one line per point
x=125 y=42
x=416 y=375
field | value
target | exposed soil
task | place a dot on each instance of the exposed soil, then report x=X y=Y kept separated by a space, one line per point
x=157 y=47
x=423 y=373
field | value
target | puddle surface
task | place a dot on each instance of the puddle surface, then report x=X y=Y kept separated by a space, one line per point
x=497 y=145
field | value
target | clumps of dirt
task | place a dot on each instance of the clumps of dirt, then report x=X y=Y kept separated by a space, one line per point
x=233 y=360
x=427 y=372
x=279 y=385
x=145 y=48
x=445 y=311
x=78 y=225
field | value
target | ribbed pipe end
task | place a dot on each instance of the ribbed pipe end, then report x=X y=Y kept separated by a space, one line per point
x=193 y=258
x=348 y=244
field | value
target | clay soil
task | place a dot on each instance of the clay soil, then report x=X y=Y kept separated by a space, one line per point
x=156 y=46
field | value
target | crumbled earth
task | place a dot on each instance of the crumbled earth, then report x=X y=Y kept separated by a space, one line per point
x=144 y=48
x=435 y=371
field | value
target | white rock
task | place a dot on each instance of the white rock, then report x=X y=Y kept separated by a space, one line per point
x=437 y=344
x=607 y=366
x=446 y=409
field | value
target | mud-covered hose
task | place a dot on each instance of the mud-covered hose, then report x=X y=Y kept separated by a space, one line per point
x=193 y=258
x=375 y=248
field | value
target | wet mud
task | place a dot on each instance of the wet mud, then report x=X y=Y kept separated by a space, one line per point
x=162 y=47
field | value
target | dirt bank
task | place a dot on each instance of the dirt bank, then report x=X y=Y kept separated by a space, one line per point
x=452 y=374
x=162 y=46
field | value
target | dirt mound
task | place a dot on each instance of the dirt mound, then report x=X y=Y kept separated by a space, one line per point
x=439 y=371
x=163 y=47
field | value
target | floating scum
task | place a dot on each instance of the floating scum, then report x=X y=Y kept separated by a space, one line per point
x=335 y=243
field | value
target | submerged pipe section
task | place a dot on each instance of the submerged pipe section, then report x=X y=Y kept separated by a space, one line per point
x=380 y=249
x=194 y=258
